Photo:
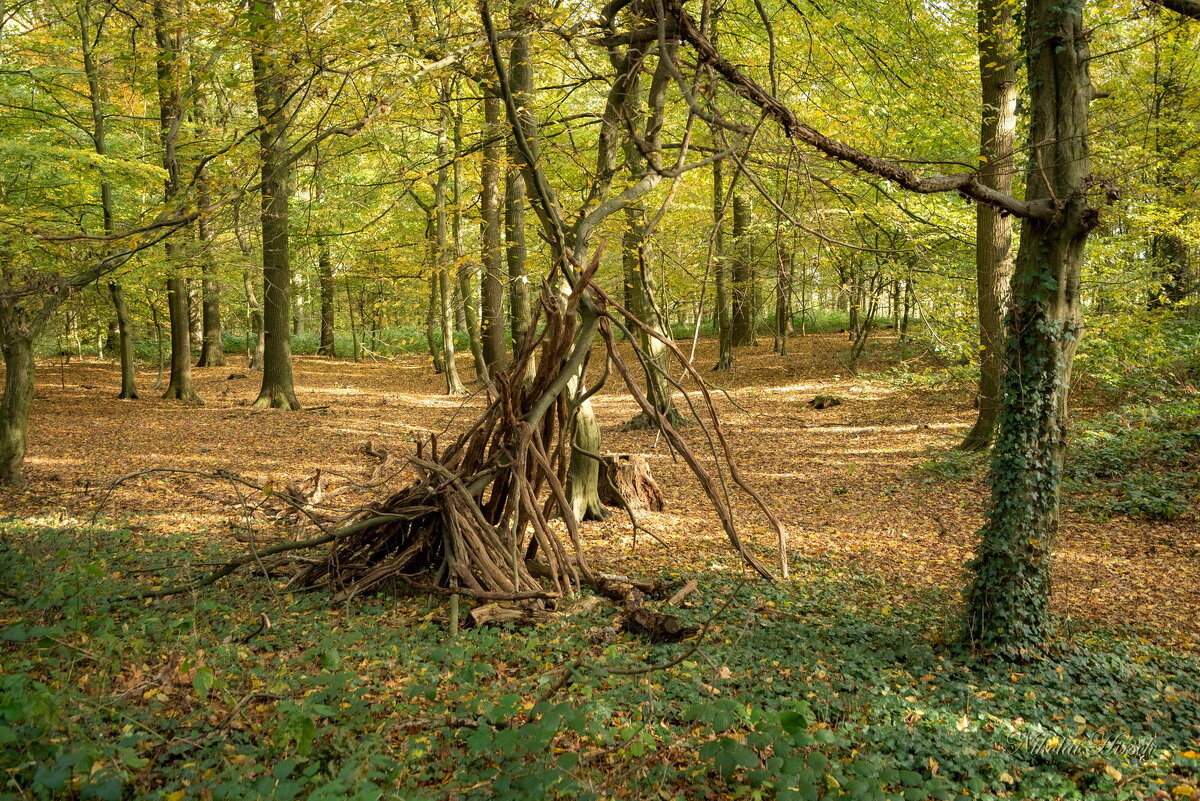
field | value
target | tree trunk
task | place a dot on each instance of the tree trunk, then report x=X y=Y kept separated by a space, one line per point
x=277 y=390
x=492 y=256
x=124 y=328
x=99 y=132
x=212 y=349
x=327 y=346
x=253 y=306
x=634 y=252
x=298 y=309
x=519 y=304
x=195 y=320
x=783 y=297
x=583 y=475
x=454 y=385
x=993 y=230
x=635 y=255
x=1172 y=263
x=742 y=273
x=1008 y=599
x=19 y=369
x=724 y=310
x=441 y=259
x=468 y=270
x=179 y=385
x=167 y=37
x=431 y=321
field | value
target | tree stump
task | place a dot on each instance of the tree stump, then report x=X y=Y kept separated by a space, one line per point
x=825 y=401
x=626 y=476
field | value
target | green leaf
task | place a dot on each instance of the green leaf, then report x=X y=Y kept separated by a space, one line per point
x=202 y=682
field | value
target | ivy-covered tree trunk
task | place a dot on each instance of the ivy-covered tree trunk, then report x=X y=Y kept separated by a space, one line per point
x=993 y=230
x=1008 y=599
x=1172 y=261
x=277 y=391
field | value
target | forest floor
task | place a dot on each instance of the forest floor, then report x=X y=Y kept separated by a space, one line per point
x=849 y=681
x=847 y=481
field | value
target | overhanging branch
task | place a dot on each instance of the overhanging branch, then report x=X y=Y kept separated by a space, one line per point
x=966 y=183
x=1188 y=8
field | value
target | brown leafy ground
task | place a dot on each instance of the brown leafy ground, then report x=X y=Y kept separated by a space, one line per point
x=844 y=480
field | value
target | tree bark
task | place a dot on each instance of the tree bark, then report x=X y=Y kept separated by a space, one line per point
x=167 y=38
x=99 y=130
x=724 y=309
x=468 y=270
x=212 y=349
x=993 y=230
x=742 y=274
x=253 y=306
x=432 y=325
x=492 y=324
x=441 y=259
x=19 y=369
x=277 y=390
x=125 y=340
x=519 y=304
x=179 y=385
x=625 y=478
x=327 y=346
x=783 y=297
x=1008 y=599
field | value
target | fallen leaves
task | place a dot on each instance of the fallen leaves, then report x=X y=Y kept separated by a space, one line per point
x=843 y=478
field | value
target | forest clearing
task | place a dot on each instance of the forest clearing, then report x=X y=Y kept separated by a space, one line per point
x=209 y=701
x=849 y=484
x=648 y=399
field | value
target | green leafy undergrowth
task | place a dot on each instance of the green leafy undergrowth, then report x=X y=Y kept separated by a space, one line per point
x=815 y=688
x=1142 y=460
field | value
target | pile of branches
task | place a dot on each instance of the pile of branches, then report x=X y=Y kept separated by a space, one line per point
x=485 y=517
x=483 y=509
x=464 y=519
